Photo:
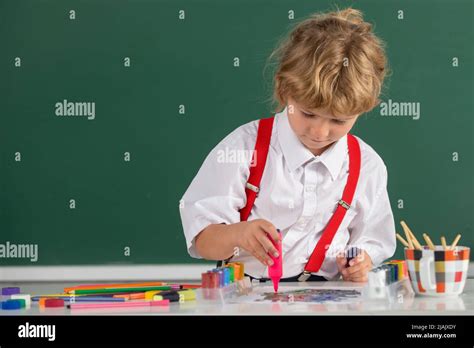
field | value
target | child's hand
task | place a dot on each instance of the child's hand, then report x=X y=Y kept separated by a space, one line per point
x=254 y=239
x=358 y=269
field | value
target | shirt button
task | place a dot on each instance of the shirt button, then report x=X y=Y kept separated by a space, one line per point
x=310 y=188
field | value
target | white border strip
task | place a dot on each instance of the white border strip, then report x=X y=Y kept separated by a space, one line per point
x=115 y=272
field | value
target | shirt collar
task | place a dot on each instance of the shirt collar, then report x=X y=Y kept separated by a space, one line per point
x=296 y=154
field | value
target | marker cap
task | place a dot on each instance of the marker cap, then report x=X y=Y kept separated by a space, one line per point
x=10 y=291
x=11 y=304
x=54 y=303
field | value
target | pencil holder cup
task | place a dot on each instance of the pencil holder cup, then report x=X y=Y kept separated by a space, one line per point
x=438 y=272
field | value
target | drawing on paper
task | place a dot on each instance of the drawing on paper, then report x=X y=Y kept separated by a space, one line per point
x=307 y=295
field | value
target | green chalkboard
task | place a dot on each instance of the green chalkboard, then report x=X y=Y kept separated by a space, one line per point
x=84 y=189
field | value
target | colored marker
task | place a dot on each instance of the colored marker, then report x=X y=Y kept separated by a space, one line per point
x=86 y=299
x=226 y=276
x=205 y=280
x=116 y=285
x=172 y=296
x=214 y=280
x=12 y=304
x=65 y=296
x=187 y=295
x=54 y=303
x=150 y=294
x=138 y=295
x=25 y=297
x=221 y=274
x=275 y=271
x=237 y=274
x=190 y=286
x=352 y=253
x=239 y=270
x=10 y=291
x=118 y=304
x=119 y=290
x=231 y=272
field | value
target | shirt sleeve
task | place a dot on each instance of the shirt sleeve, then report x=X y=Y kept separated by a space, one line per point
x=217 y=192
x=376 y=233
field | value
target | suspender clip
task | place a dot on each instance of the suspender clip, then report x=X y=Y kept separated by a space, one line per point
x=344 y=204
x=304 y=276
x=254 y=188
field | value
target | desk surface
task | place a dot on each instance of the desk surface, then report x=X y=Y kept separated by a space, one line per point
x=460 y=305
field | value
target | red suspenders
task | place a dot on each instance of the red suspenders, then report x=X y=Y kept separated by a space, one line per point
x=259 y=159
x=253 y=186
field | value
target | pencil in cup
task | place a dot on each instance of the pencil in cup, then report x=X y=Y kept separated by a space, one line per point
x=411 y=242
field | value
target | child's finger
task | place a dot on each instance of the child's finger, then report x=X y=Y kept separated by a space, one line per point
x=358 y=267
x=258 y=257
x=362 y=257
x=267 y=244
x=261 y=253
x=341 y=261
x=340 y=255
x=356 y=260
x=363 y=271
x=270 y=229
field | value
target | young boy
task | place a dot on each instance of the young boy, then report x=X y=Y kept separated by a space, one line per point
x=331 y=70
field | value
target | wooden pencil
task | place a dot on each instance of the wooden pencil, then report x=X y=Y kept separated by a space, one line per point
x=403 y=241
x=428 y=241
x=443 y=243
x=407 y=235
x=412 y=236
x=456 y=240
x=416 y=243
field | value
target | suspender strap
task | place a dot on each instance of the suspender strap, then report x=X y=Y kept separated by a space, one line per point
x=319 y=252
x=259 y=159
x=257 y=166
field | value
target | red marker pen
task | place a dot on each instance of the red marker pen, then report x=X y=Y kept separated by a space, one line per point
x=275 y=271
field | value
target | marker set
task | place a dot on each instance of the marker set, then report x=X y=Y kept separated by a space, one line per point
x=12 y=299
x=102 y=296
x=388 y=273
x=222 y=276
x=389 y=282
x=225 y=282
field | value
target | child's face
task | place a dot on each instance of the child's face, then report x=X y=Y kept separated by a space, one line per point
x=317 y=129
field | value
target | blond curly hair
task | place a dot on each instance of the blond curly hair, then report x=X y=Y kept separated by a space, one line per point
x=332 y=61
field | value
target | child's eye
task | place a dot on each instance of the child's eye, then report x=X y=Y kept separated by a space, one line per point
x=306 y=114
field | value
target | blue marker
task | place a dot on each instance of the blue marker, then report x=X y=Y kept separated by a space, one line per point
x=226 y=276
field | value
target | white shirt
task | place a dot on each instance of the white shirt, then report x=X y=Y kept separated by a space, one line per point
x=298 y=194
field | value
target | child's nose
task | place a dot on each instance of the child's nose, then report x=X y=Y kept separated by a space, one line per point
x=320 y=132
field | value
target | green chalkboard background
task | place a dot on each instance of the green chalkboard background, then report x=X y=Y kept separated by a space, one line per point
x=190 y=62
